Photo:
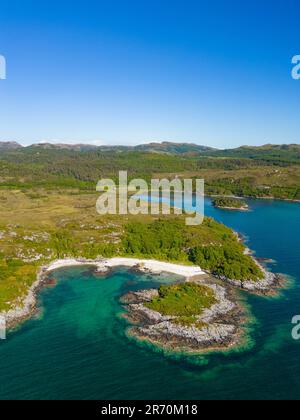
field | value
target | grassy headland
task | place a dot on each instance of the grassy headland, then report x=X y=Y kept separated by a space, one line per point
x=230 y=203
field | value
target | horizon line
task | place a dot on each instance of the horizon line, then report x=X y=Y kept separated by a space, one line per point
x=99 y=143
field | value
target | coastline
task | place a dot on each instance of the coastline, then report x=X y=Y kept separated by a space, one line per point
x=223 y=326
x=233 y=208
x=289 y=200
x=266 y=286
x=28 y=307
x=153 y=266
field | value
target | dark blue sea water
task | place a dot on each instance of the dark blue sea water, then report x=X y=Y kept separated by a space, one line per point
x=77 y=347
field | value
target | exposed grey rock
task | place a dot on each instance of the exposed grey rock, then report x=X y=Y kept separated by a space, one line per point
x=149 y=314
x=214 y=333
x=264 y=285
x=211 y=330
x=223 y=306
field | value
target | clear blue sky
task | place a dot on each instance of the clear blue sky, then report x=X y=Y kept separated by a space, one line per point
x=127 y=72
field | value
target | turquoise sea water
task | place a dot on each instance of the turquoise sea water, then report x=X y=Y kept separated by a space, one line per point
x=77 y=346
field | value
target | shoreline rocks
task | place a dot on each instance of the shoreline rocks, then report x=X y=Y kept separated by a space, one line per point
x=27 y=307
x=267 y=286
x=233 y=208
x=220 y=325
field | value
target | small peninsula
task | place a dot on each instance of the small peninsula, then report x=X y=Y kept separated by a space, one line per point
x=228 y=203
x=195 y=316
x=199 y=315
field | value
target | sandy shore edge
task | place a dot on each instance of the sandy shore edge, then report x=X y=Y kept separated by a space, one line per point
x=152 y=266
x=27 y=307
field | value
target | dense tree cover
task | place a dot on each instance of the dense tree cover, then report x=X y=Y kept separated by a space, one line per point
x=274 y=154
x=35 y=167
x=228 y=202
x=226 y=261
x=161 y=239
x=212 y=246
x=247 y=187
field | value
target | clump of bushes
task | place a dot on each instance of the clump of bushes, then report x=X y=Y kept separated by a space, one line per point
x=226 y=261
x=185 y=301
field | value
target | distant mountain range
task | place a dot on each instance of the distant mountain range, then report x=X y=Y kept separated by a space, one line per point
x=173 y=148
x=164 y=147
x=282 y=152
x=9 y=145
x=250 y=152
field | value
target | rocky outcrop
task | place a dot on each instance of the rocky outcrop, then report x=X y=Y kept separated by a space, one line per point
x=140 y=296
x=27 y=306
x=209 y=335
x=223 y=306
x=266 y=286
x=217 y=326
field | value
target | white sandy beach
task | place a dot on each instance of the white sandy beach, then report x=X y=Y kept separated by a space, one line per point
x=28 y=306
x=152 y=266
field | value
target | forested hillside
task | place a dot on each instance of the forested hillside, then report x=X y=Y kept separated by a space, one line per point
x=268 y=171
